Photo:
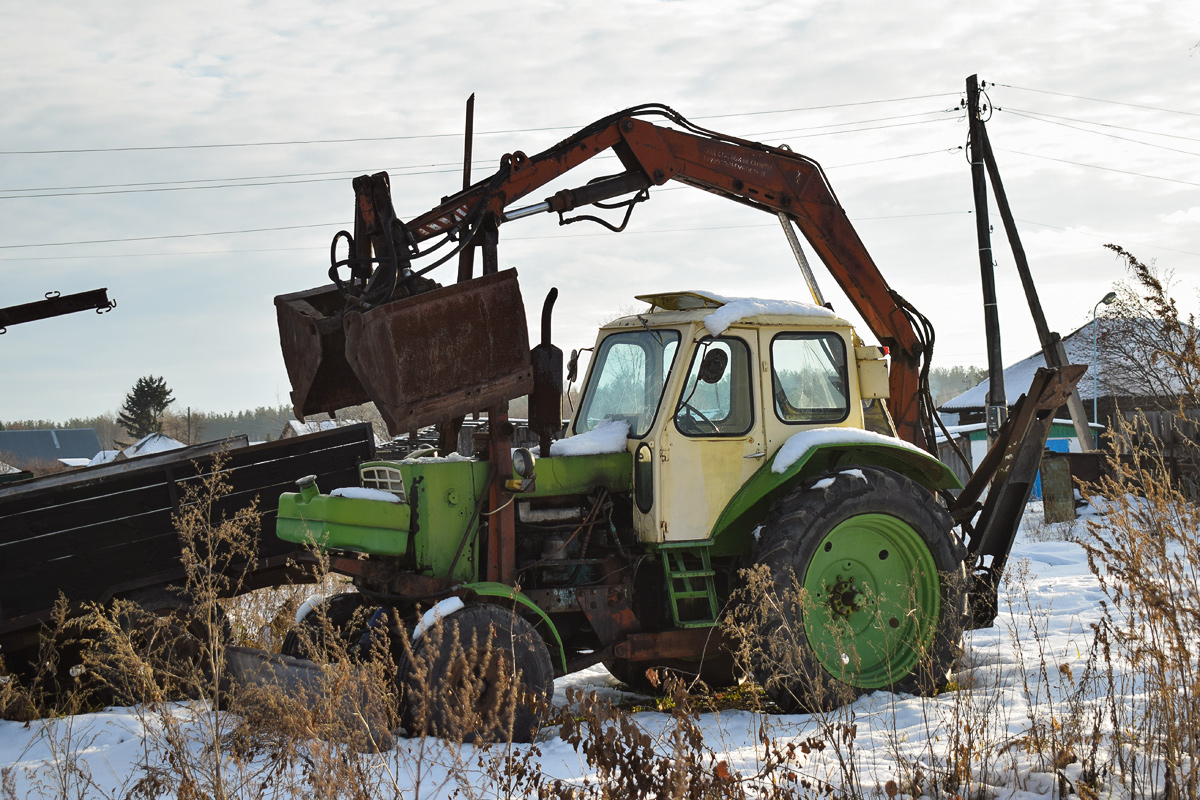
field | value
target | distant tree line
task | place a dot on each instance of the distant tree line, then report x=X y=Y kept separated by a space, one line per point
x=259 y=424
x=946 y=383
x=266 y=423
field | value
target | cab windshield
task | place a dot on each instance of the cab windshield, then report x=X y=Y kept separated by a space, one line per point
x=627 y=380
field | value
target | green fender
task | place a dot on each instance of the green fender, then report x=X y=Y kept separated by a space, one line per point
x=749 y=506
x=493 y=589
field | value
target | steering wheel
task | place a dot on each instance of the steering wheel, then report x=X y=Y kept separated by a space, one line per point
x=698 y=413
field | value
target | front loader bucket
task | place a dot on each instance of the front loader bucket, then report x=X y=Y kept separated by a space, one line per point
x=442 y=354
x=423 y=360
x=314 y=351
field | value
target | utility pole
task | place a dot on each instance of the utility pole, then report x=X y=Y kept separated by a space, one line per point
x=1052 y=346
x=997 y=406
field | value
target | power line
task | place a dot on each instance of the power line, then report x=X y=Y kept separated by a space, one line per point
x=897 y=158
x=212 y=186
x=856 y=130
x=340 y=173
x=301 y=177
x=1099 y=100
x=346 y=224
x=856 y=122
x=1096 y=166
x=61 y=151
x=1108 y=237
x=1102 y=133
x=173 y=236
x=308 y=248
x=967 y=212
x=1101 y=124
x=835 y=105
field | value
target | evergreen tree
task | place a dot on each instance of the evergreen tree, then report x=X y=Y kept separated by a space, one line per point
x=142 y=412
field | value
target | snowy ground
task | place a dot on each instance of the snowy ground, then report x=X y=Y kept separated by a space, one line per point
x=1052 y=599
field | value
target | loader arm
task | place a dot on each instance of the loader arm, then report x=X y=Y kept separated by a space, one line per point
x=768 y=178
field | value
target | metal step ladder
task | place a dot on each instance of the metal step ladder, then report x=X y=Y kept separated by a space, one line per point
x=690 y=585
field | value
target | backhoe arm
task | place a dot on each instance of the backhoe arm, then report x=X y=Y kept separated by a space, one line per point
x=768 y=178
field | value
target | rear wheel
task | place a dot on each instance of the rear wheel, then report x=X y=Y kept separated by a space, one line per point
x=868 y=585
x=481 y=673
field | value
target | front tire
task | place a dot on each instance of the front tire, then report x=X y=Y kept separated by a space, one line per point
x=865 y=590
x=483 y=673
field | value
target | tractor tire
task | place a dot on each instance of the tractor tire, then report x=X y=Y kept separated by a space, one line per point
x=866 y=586
x=326 y=633
x=168 y=649
x=482 y=674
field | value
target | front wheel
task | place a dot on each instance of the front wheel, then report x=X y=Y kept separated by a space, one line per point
x=483 y=673
x=864 y=588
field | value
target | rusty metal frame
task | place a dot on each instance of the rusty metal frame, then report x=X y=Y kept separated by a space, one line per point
x=1008 y=472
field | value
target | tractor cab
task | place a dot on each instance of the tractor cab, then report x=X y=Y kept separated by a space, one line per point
x=711 y=387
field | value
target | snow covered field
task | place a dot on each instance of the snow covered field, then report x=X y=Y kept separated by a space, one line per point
x=1019 y=685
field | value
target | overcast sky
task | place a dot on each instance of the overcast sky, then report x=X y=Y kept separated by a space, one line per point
x=110 y=173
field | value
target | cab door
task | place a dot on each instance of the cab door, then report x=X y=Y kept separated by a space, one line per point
x=712 y=437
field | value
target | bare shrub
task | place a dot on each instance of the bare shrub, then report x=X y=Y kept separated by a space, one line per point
x=1147 y=560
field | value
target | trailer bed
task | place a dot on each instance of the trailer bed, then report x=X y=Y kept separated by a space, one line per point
x=106 y=531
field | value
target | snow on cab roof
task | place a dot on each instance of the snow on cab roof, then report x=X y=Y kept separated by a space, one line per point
x=725 y=311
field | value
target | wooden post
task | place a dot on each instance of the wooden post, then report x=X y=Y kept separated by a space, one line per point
x=1052 y=347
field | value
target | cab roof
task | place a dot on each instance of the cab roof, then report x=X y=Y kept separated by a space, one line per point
x=718 y=312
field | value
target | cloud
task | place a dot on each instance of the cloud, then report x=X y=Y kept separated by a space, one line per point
x=145 y=74
x=1189 y=215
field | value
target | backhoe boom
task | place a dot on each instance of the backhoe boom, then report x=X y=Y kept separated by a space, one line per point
x=768 y=178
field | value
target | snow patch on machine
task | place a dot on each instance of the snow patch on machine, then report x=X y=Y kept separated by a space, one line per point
x=440 y=610
x=607 y=437
x=737 y=309
x=363 y=493
x=800 y=443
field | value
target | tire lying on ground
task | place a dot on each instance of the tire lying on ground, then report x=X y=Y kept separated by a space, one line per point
x=867 y=589
x=328 y=630
x=479 y=674
x=165 y=645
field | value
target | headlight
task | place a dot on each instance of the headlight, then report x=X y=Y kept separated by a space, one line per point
x=522 y=461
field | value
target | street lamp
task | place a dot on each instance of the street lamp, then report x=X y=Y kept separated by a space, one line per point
x=1106 y=300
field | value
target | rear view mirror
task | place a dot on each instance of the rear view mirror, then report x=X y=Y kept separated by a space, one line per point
x=712 y=368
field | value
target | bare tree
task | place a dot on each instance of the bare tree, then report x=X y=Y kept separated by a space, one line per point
x=1149 y=353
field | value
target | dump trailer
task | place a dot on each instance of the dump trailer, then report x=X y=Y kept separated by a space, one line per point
x=712 y=436
x=107 y=531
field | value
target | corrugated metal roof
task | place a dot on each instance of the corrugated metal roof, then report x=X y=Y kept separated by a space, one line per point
x=49 y=445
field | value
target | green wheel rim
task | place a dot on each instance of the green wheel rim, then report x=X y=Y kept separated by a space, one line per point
x=872 y=600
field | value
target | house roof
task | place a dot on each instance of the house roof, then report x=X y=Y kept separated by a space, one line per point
x=295 y=427
x=151 y=443
x=49 y=445
x=1018 y=377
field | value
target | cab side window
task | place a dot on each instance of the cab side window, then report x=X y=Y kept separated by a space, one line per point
x=716 y=399
x=809 y=377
